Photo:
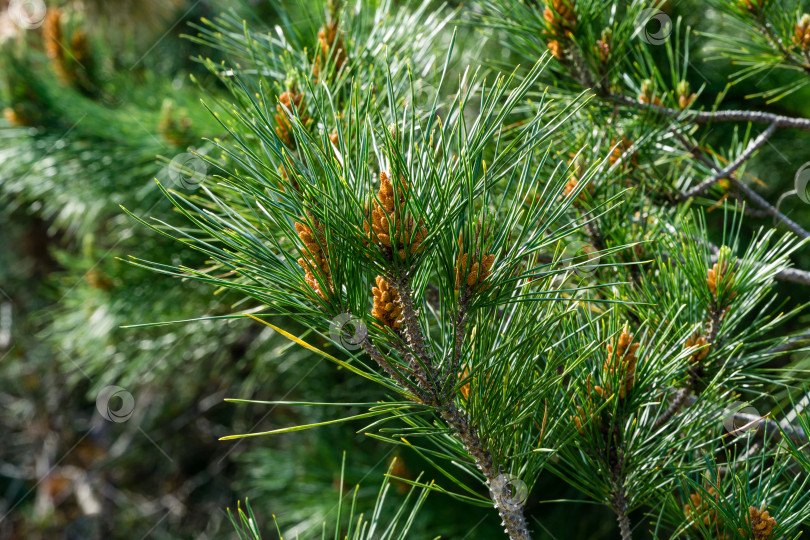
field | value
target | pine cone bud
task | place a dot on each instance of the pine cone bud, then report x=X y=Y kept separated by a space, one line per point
x=801 y=36
x=52 y=34
x=289 y=100
x=762 y=524
x=556 y=49
x=754 y=7
x=602 y=47
x=391 y=224
x=698 y=510
x=329 y=39
x=472 y=275
x=571 y=186
x=647 y=94
x=314 y=261
x=619 y=152
x=465 y=388
x=622 y=360
x=699 y=342
x=54 y=43
x=16 y=116
x=685 y=98
x=387 y=306
x=717 y=275
x=560 y=17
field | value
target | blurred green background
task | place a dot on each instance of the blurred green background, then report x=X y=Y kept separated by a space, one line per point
x=97 y=98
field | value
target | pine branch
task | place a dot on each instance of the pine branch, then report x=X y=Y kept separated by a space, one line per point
x=681 y=397
x=765 y=427
x=619 y=505
x=704 y=117
x=748 y=192
x=733 y=166
x=415 y=338
x=377 y=356
x=460 y=322
x=509 y=508
x=769 y=208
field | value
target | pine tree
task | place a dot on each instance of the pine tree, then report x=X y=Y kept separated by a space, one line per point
x=557 y=265
x=524 y=273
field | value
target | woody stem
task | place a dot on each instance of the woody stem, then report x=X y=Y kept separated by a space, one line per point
x=377 y=356
x=414 y=336
x=458 y=335
x=509 y=507
x=695 y=371
x=620 y=507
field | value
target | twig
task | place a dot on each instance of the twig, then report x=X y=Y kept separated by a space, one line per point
x=377 y=356
x=733 y=166
x=704 y=117
x=769 y=209
x=764 y=426
x=509 y=508
x=458 y=337
x=695 y=371
x=748 y=192
x=415 y=337
x=674 y=406
x=619 y=505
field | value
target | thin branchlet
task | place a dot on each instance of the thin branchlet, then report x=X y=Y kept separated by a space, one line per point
x=395 y=306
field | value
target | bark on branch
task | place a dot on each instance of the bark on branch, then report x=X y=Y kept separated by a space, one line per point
x=705 y=117
x=733 y=166
x=768 y=208
x=509 y=506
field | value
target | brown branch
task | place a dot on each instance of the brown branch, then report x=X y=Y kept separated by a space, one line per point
x=509 y=508
x=674 y=406
x=695 y=371
x=619 y=505
x=458 y=334
x=794 y=227
x=733 y=166
x=765 y=427
x=378 y=357
x=685 y=397
x=415 y=337
x=704 y=117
